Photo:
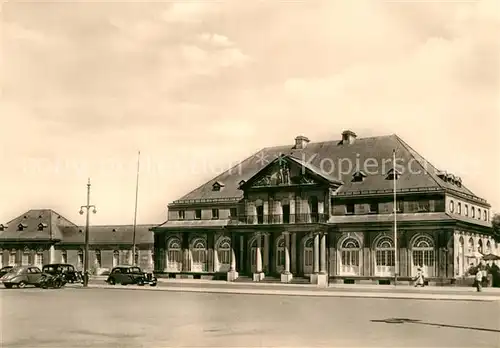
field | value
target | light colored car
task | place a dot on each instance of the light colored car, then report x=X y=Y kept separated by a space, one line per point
x=21 y=276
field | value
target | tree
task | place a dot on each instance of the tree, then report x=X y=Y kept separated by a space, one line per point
x=496 y=227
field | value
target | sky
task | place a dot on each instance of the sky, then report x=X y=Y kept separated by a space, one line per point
x=197 y=86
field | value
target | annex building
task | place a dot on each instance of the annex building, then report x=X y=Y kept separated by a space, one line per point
x=42 y=236
x=323 y=212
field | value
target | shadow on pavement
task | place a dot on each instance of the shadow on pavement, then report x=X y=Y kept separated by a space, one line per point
x=416 y=321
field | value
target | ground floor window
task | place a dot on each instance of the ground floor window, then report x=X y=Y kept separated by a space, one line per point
x=98 y=260
x=39 y=259
x=116 y=258
x=384 y=257
x=174 y=255
x=350 y=250
x=25 y=260
x=423 y=255
x=80 y=259
x=64 y=256
x=12 y=258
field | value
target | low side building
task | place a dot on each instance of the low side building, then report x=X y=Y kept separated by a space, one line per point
x=42 y=236
x=295 y=213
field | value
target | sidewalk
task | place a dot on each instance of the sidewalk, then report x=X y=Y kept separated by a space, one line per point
x=341 y=290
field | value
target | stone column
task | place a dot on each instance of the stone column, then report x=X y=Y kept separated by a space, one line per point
x=294 y=253
x=265 y=261
x=232 y=275
x=322 y=260
x=242 y=254
x=316 y=253
x=51 y=254
x=258 y=275
x=286 y=276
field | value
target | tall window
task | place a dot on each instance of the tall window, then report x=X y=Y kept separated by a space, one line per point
x=479 y=213
x=98 y=260
x=174 y=254
x=12 y=258
x=199 y=251
x=260 y=214
x=473 y=212
x=116 y=258
x=224 y=251
x=313 y=204
x=488 y=247
x=280 y=252
x=253 y=253
x=423 y=255
x=460 y=260
x=25 y=260
x=80 y=259
x=480 y=246
x=181 y=214
x=459 y=208
x=136 y=257
x=39 y=259
x=466 y=210
x=64 y=256
x=197 y=214
x=308 y=252
x=384 y=256
x=452 y=206
x=215 y=214
x=470 y=246
x=350 y=250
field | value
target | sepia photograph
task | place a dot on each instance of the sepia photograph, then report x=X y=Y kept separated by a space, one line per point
x=250 y=173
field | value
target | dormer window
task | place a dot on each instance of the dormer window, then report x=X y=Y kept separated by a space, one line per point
x=3 y=227
x=21 y=227
x=358 y=176
x=393 y=174
x=241 y=183
x=217 y=186
x=41 y=226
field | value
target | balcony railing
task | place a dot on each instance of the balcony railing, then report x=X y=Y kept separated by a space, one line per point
x=280 y=219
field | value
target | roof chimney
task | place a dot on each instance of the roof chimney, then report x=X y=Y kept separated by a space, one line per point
x=301 y=142
x=348 y=137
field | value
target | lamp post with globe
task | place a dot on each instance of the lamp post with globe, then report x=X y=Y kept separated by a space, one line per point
x=86 y=255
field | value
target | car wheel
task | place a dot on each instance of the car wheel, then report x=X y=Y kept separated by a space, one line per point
x=153 y=284
x=111 y=281
x=22 y=284
x=8 y=286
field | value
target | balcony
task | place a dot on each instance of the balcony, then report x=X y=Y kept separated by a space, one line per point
x=279 y=219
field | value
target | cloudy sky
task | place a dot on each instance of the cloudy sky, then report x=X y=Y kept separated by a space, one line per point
x=198 y=85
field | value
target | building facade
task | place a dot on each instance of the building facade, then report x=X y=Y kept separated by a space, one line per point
x=42 y=236
x=324 y=212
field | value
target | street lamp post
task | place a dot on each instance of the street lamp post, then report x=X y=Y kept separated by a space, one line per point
x=86 y=256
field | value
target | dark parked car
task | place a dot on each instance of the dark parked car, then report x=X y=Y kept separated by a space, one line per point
x=130 y=275
x=71 y=275
x=21 y=276
x=5 y=270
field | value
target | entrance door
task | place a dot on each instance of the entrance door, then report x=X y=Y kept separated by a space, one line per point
x=280 y=255
x=308 y=257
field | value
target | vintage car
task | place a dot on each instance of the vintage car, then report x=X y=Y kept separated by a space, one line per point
x=125 y=275
x=5 y=270
x=71 y=275
x=21 y=276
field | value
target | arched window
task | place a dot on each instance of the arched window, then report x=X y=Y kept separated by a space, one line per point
x=253 y=253
x=350 y=250
x=280 y=253
x=80 y=259
x=224 y=251
x=384 y=257
x=64 y=256
x=12 y=257
x=423 y=255
x=488 y=247
x=98 y=262
x=480 y=246
x=116 y=258
x=470 y=246
x=199 y=252
x=174 y=255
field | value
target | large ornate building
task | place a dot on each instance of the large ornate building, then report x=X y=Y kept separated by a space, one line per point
x=42 y=236
x=323 y=212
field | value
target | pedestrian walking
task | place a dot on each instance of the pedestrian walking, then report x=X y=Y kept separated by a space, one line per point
x=479 y=280
x=419 y=279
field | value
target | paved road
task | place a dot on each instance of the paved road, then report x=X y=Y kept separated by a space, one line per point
x=77 y=317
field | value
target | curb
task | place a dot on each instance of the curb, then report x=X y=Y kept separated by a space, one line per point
x=307 y=293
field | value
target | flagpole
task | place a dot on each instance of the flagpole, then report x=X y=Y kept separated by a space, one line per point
x=395 y=219
x=135 y=210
